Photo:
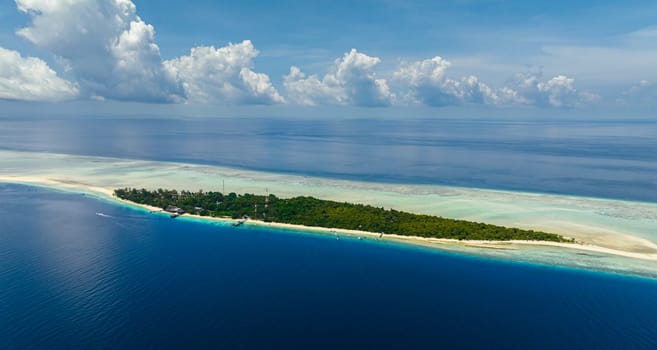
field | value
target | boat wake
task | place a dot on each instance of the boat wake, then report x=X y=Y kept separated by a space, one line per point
x=103 y=215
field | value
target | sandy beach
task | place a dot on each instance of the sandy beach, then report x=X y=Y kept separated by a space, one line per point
x=611 y=235
x=642 y=249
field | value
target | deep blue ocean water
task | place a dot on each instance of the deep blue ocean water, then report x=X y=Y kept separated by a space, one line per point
x=597 y=158
x=71 y=278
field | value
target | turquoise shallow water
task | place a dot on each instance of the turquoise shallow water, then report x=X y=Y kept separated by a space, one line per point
x=71 y=278
x=621 y=226
x=587 y=157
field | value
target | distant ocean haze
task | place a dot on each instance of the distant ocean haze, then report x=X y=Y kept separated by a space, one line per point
x=606 y=158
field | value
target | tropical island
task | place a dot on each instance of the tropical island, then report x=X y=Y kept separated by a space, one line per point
x=310 y=211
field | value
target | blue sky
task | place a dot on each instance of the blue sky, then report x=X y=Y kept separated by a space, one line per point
x=313 y=33
x=461 y=54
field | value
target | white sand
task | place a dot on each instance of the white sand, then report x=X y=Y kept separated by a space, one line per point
x=608 y=227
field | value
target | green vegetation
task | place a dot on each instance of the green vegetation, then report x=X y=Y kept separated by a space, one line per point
x=311 y=211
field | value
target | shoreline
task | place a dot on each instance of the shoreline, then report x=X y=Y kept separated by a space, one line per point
x=435 y=243
x=373 y=183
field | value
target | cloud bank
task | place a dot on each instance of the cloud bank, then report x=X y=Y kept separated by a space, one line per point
x=111 y=53
x=352 y=80
x=428 y=84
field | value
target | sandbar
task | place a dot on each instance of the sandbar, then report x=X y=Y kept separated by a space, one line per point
x=611 y=235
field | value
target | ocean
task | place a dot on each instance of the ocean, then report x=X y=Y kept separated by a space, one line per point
x=79 y=272
x=596 y=158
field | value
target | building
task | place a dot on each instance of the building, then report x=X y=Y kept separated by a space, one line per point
x=175 y=210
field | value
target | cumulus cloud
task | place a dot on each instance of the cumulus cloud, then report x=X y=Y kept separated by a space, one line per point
x=103 y=43
x=211 y=75
x=110 y=52
x=31 y=79
x=311 y=90
x=350 y=81
x=558 y=91
x=429 y=85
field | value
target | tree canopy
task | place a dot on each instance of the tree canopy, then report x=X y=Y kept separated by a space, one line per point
x=311 y=211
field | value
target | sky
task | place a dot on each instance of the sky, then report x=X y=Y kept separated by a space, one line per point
x=360 y=57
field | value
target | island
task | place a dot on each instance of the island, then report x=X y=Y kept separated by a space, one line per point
x=313 y=212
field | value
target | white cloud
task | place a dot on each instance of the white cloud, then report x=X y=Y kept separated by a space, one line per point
x=211 y=75
x=111 y=54
x=558 y=91
x=103 y=43
x=31 y=79
x=429 y=85
x=423 y=73
x=642 y=93
x=311 y=90
x=350 y=81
